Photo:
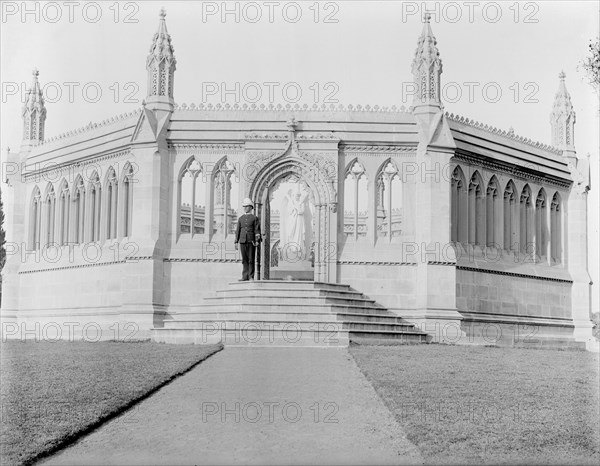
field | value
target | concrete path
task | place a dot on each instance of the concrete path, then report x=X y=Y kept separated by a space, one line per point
x=255 y=406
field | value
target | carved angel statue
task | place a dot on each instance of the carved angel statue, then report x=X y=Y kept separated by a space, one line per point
x=295 y=226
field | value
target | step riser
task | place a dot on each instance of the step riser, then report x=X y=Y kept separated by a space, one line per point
x=288 y=316
x=290 y=293
x=305 y=300
x=274 y=325
x=400 y=337
x=296 y=285
x=241 y=338
x=251 y=308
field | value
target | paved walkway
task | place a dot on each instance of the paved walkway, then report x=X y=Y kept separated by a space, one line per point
x=255 y=406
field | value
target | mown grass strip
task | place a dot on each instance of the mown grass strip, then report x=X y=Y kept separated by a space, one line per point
x=478 y=405
x=52 y=393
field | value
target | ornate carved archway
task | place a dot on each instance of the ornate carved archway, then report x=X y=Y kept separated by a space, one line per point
x=322 y=184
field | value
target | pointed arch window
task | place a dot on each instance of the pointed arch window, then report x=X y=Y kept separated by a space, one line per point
x=556 y=229
x=525 y=213
x=476 y=210
x=111 y=204
x=541 y=227
x=35 y=219
x=459 y=215
x=64 y=210
x=95 y=191
x=492 y=209
x=510 y=223
x=78 y=211
x=127 y=201
x=389 y=202
x=192 y=198
x=355 y=199
x=50 y=207
x=226 y=189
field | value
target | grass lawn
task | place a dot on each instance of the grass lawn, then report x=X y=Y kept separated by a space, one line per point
x=482 y=405
x=52 y=392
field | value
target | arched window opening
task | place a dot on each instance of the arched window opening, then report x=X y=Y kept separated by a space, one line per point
x=541 y=228
x=459 y=214
x=476 y=211
x=64 y=211
x=95 y=207
x=389 y=202
x=526 y=234
x=226 y=200
x=127 y=218
x=491 y=213
x=192 y=198
x=556 y=229
x=355 y=201
x=78 y=212
x=35 y=221
x=510 y=227
x=111 y=205
x=50 y=206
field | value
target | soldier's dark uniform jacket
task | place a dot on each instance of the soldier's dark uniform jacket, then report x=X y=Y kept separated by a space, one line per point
x=248 y=234
x=248 y=229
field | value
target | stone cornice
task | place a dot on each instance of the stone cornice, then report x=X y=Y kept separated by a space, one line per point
x=378 y=149
x=76 y=266
x=295 y=107
x=510 y=170
x=199 y=259
x=49 y=167
x=375 y=263
x=255 y=135
x=512 y=274
x=92 y=126
x=505 y=134
x=207 y=147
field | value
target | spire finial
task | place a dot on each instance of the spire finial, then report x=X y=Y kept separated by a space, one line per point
x=34 y=112
x=161 y=63
x=562 y=119
x=427 y=68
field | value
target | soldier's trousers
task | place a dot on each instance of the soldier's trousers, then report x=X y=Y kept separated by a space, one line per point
x=248 y=254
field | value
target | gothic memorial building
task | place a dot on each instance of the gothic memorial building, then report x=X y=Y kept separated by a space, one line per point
x=378 y=224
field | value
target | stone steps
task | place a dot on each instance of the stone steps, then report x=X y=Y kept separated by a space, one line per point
x=289 y=293
x=274 y=324
x=306 y=300
x=287 y=313
x=288 y=316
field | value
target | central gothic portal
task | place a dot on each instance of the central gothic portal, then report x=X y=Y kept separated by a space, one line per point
x=298 y=221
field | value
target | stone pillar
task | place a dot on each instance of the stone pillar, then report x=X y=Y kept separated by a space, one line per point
x=15 y=211
x=144 y=285
x=577 y=262
x=435 y=311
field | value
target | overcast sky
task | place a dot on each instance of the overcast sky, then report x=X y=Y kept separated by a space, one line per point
x=501 y=60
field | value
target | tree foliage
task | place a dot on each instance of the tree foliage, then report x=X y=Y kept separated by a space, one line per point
x=591 y=64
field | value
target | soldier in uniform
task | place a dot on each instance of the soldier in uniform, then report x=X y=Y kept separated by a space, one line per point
x=248 y=236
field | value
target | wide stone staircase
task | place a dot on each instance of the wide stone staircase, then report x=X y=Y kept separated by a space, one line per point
x=287 y=313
